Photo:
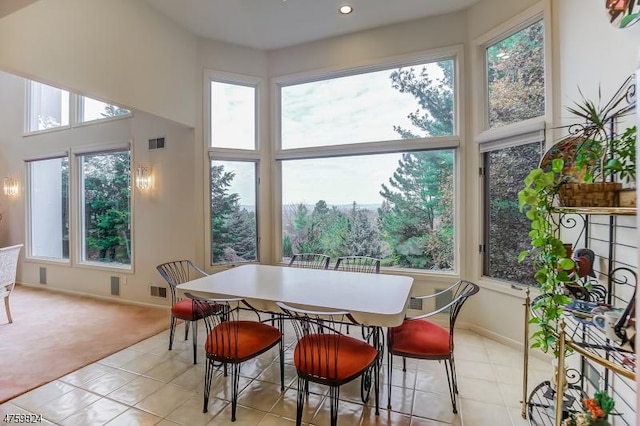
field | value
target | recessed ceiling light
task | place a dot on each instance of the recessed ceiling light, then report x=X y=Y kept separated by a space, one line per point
x=345 y=9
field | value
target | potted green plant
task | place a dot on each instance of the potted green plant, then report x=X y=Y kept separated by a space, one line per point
x=549 y=255
x=605 y=158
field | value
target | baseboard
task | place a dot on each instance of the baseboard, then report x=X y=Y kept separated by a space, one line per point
x=503 y=340
x=95 y=296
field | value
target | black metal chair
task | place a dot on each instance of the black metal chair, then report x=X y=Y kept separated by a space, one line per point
x=174 y=273
x=231 y=341
x=326 y=356
x=358 y=264
x=421 y=339
x=310 y=261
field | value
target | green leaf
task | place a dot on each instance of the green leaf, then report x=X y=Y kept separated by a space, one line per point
x=557 y=165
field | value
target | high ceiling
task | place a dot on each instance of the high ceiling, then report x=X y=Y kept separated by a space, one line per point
x=273 y=24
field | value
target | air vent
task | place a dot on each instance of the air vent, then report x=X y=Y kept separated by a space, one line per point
x=443 y=299
x=156 y=143
x=115 y=286
x=160 y=292
x=415 y=303
x=43 y=275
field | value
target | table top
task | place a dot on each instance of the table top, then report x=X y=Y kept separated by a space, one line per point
x=373 y=299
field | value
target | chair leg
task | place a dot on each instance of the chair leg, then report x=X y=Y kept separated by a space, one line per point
x=186 y=329
x=334 y=395
x=390 y=376
x=208 y=376
x=194 y=337
x=302 y=384
x=235 y=378
x=451 y=381
x=404 y=364
x=376 y=383
x=454 y=374
x=281 y=348
x=8 y=309
x=172 y=331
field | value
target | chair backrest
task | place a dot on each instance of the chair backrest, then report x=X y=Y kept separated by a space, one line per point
x=310 y=260
x=8 y=268
x=178 y=272
x=320 y=335
x=461 y=292
x=222 y=319
x=358 y=264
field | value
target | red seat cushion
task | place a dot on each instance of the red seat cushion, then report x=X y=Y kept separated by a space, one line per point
x=239 y=340
x=315 y=355
x=184 y=310
x=420 y=338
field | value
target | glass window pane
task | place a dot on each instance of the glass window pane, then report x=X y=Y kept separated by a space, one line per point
x=233 y=212
x=508 y=229
x=401 y=210
x=48 y=107
x=404 y=103
x=233 y=116
x=92 y=109
x=515 y=71
x=49 y=208
x=106 y=186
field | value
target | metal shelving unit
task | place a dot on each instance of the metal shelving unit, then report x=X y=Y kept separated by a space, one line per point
x=602 y=363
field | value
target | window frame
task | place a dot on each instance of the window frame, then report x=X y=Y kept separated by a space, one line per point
x=515 y=134
x=454 y=141
x=78 y=189
x=29 y=209
x=211 y=153
x=78 y=102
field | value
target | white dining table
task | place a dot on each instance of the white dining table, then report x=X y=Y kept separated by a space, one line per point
x=372 y=299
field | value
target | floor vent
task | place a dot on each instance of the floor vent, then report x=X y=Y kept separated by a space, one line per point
x=160 y=292
x=43 y=275
x=415 y=303
x=156 y=143
x=115 y=286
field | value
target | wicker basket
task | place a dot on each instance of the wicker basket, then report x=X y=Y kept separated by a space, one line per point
x=601 y=194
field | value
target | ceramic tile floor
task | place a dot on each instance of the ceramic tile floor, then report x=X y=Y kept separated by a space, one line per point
x=146 y=384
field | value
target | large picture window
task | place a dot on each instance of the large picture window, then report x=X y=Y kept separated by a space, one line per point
x=48 y=207
x=368 y=164
x=233 y=212
x=515 y=77
x=400 y=210
x=106 y=200
x=408 y=102
x=233 y=116
x=506 y=169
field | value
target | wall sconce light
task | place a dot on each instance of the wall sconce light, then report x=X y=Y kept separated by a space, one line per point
x=143 y=177
x=10 y=186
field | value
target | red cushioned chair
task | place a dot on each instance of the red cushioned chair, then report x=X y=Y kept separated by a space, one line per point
x=422 y=339
x=174 y=273
x=326 y=356
x=231 y=340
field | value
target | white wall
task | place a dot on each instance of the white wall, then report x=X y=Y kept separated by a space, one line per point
x=162 y=217
x=120 y=51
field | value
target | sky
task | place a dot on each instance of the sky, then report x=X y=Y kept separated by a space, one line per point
x=346 y=110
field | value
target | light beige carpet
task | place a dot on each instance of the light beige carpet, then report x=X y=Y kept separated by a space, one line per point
x=53 y=334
